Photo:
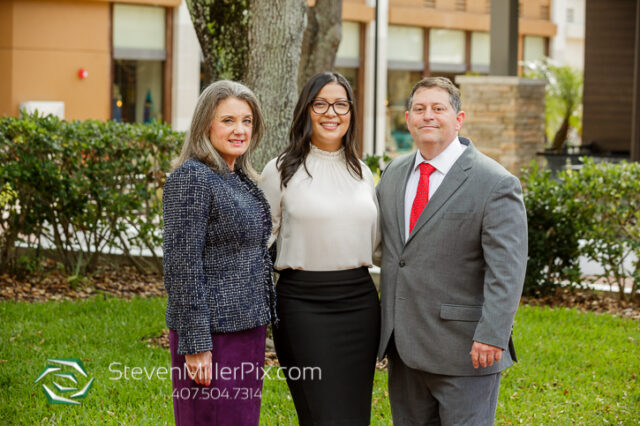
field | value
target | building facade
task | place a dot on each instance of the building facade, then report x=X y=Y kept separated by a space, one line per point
x=567 y=47
x=138 y=60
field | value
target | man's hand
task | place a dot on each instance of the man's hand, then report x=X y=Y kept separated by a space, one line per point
x=199 y=366
x=484 y=355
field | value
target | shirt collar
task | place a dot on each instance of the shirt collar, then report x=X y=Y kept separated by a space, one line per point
x=445 y=160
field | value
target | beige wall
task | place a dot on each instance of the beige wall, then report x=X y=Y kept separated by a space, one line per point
x=6 y=39
x=475 y=17
x=49 y=43
x=357 y=11
x=165 y=3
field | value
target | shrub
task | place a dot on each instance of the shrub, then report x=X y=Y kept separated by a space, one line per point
x=85 y=187
x=606 y=198
x=554 y=233
x=376 y=164
x=6 y=196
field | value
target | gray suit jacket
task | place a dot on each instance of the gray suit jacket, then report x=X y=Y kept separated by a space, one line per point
x=459 y=276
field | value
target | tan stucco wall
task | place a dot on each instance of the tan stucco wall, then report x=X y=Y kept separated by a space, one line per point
x=50 y=42
x=165 y=3
x=357 y=11
x=6 y=29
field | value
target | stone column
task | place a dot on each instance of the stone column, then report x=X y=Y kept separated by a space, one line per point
x=504 y=117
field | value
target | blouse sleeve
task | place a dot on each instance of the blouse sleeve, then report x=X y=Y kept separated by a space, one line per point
x=377 y=242
x=269 y=183
x=186 y=205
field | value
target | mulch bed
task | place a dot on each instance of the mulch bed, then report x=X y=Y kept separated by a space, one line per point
x=588 y=301
x=50 y=283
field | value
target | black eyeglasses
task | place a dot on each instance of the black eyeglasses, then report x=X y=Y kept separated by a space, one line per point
x=320 y=106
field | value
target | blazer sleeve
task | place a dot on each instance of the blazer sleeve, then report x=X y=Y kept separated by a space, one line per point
x=504 y=244
x=186 y=211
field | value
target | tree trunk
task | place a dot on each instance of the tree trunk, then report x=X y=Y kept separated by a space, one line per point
x=561 y=136
x=321 y=39
x=221 y=27
x=201 y=16
x=275 y=35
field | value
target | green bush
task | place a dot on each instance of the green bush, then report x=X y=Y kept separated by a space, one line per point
x=85 y=187
x=375 y=162
x=554 y=233
x=606 y=198
x=6 y=195
x=592 y=212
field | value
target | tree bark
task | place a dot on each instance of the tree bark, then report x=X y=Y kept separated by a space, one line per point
x=275 y=35
x=561 y=135
x=321 y=39
x=201 y=16
x=221 y=27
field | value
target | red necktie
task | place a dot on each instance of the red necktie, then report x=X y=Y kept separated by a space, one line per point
x=422 y=194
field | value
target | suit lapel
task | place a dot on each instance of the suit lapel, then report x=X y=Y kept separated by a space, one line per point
x=452 y=181
x=408 y=167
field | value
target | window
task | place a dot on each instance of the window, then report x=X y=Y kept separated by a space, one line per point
x=534 y=48
x=544 y=12
x=570 y=15
x=399 y=84
x=405 y=47
x=138 y=62
x=461 y=5
x=348 y=54
x=480 y=52
x=447 y=50
x=405 y=54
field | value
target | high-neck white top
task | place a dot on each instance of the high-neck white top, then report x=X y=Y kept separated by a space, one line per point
x=325 y=222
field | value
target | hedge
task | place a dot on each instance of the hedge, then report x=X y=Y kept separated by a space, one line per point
x=83 y=187
x=593 y=212
x=91 y=187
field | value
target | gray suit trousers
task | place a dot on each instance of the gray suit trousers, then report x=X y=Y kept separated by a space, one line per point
x=421 y=398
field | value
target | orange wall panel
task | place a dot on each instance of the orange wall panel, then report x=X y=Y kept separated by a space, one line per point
x=6 y=40
x=166 y=3
x=6 y=24
x=5 y=82
x=352 y=11
x=53 y=76
x=50 y=42
x=62 y=25
x=438 y=19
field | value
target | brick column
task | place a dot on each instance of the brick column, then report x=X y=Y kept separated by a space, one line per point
x=504 y=117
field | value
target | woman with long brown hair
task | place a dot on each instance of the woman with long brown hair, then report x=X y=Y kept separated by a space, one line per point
x=325 y=218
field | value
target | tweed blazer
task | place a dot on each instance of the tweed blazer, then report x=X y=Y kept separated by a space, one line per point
x=217 y=269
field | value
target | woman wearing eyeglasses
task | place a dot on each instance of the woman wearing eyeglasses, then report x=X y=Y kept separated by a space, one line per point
x=324 y=213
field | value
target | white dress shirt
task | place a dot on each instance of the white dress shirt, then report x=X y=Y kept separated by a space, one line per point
x=442 y=162
x=325 y=222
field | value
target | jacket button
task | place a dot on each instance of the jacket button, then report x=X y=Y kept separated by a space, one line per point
x=402 y=263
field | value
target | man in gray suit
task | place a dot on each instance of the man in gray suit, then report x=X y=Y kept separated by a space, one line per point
x=454 y=254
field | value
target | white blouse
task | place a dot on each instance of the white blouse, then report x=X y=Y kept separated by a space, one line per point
x=325 y=222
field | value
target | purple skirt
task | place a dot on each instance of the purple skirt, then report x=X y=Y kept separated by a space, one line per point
x=233 y=397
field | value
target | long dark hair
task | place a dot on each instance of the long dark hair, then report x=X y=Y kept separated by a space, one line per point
x=296 y=152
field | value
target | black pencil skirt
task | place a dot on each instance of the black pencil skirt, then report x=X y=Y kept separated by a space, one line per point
x=326 y=343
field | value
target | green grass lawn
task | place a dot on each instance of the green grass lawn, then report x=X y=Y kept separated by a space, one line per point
x=574 y=367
